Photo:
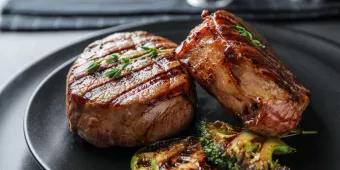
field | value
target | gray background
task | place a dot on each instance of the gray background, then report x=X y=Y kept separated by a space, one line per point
x=20 y=49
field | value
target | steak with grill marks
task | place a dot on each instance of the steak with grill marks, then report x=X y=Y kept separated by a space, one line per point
x=237 y=65
x=150 y=99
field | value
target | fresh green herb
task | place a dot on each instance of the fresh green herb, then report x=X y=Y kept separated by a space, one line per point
x=126 y=60
x=283 y=149
x=298 y=131
x=113 y=73
x=112 y=58
x=93 y=66
x=116 y=72
x=96 y=63
x=245 y=33
x=151 y=51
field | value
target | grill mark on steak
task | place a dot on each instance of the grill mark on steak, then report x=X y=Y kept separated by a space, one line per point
x=115 y=37
x=80 y=71
x=138 y=37
x=98 y=79
x=107 y=51
x=108 y=91
x=164 y=81
x=132 y=42
x=119 y=37
x=118 y=111
x=138 y=60
x=85 y=58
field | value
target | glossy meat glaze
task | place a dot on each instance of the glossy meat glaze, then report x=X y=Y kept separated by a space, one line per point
x=235 y=64
x=152 y=98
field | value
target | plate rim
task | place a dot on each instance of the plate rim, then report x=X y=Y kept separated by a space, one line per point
x=104 y=32
x=28 y=140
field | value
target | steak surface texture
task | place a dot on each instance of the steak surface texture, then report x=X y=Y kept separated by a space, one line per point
x=237 y=66
x=127 y=89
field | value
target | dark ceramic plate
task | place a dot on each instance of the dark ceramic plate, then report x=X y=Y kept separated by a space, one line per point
x=315 y=63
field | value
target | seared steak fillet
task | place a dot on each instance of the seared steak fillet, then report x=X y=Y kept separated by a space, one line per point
x=150 y=98
x=235 y=64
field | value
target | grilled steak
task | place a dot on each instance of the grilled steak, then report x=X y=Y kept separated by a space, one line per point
x=235 y=64
x=127 y=89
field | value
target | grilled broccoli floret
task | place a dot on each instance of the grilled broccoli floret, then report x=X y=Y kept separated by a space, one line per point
x=228 y=148
x=214 y=151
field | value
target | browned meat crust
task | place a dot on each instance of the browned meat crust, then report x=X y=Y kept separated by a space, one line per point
x=151 y=99
x=247 y=78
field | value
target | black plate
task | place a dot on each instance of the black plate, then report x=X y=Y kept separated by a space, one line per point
x=314 y=62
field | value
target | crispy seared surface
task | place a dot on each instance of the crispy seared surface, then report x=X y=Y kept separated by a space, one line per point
x=151 y=100
x=180 y=154
x=187 y=154
x=248 y=80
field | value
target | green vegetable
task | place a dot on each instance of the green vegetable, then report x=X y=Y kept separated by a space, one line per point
x=180 y=154
x=283 y=149
x=151 y=51
x=116 y=72
x=126 y=61
x=228 y=148
x=93 y=66
x=245 y=33
x=214 y=151
x=113 y=73
x=112 y=58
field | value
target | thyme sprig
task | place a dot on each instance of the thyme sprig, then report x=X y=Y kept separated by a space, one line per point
x=117 y=71
x=299 y=131
x=112 y=58
x=153 y=52
x=113 y=73
x=245 y=33
x=94 y=66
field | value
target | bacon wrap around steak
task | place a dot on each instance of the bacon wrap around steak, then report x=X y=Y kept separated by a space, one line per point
x=246 y=78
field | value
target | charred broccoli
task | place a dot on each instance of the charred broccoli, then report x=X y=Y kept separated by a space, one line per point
x=228 y=148
x=219 y=147
x=175 y=154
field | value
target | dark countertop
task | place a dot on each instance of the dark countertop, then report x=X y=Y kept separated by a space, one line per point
x=329 y=29
x=19 y=50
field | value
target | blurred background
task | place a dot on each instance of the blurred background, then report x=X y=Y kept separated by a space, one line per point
x=31 y=29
